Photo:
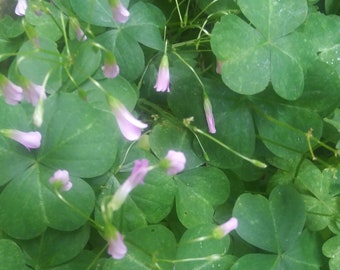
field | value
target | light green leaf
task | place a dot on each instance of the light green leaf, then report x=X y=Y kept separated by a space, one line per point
x=11 y=256
x=277 y=221
x=144 y=252
x=246 y=62
x=29 y=205
x=166 y=136
x=205 y=254
x=14 y=157
x=77 y=137
x=86 y=60
x=126 y=50
x=88 y=11
x=198 y=192
x=55 y=247
x=144 y=25
x=331 y=249
x=283 y=133
x=271 y=17
x=46 y=62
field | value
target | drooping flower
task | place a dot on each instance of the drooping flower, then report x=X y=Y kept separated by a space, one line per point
x=225 y=228
x=209 y=114
x=119 y=11
x=11 y=92
x=34 y=92
x=110 y=67
x=136 y=177
x=174 y=162
x=117 y=248
x=61 y=180
x=75 y=25
x=31 y=140
x=21 y=7
x=163 y=77
x=219 y=67
x=130 y=127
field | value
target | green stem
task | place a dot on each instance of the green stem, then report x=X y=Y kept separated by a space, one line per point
x=255 y=162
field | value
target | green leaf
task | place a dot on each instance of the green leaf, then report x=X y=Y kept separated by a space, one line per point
x=304 y=254
x=120 y=88
x=204 y=254
x=321 y=206
x=88 y=11
x=270 y=17
x=10 y=28
x=335 y=120
x=29 y=205
x=85 y=61
x=277 y=221
x=321 y=89
x=256 y=261
x=331 y=249
x=144 y=252
x=126 y=50
x=11 y=256
x=166 y=136
x=55 y=247
x=249 y=64
x=246 y=62
x=198 y=192
x=155 y=197
x=14 y=157
x=144 y=25
x=281 y=131
x=46 y=62
x=77 y=137
x=48 y=24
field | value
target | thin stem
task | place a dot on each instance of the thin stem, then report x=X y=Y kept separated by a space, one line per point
x=79 y=212
x=255 y=162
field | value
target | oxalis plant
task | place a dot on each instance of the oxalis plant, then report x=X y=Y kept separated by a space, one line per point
x=185 y=135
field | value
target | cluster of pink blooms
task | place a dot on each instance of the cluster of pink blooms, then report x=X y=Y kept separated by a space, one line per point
x=173 y=163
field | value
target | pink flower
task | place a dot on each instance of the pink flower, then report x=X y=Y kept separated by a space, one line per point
x=119 y=12
x=209 y=115
x=11 y=92
x=174 y=162
x=31 y=140
x=225 y=228
x=80 y=35
x=130 y=127
x=61 y=180
x=219 y=67
x=21 y=7
x=117 y=248
x=110 y=67
x=163 y=77
x=34 y=92
x=137 y=176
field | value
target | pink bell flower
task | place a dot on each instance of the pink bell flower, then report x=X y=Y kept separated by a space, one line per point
x=225 y=228
x=209 y=115
x=174 y=162
x=163 y=77
x=11 y=92
x=119 y=11
x=130 y=127
x=34 y=92
x=137 y=176
x=219 y=67
x=21 y=7
x=31 y=140
x=110 y=67
x=117 y=248
x=61 y=180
